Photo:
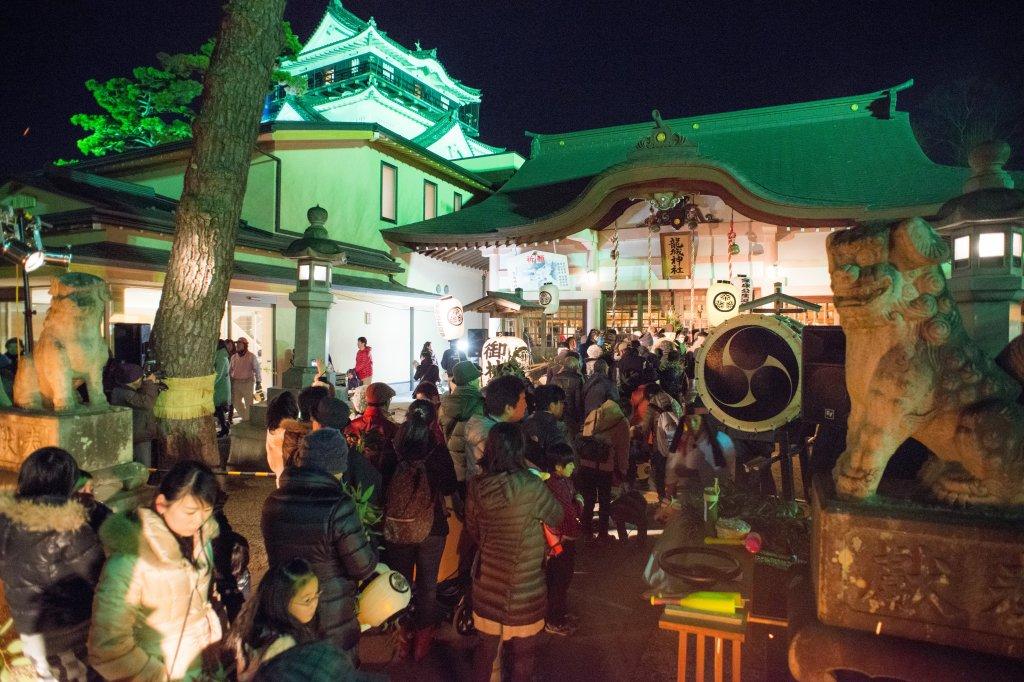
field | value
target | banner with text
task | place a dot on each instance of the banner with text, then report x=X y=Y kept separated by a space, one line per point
x=676 y=255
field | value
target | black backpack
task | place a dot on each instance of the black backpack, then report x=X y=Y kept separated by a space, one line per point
x=594 y=450
x=409 y=505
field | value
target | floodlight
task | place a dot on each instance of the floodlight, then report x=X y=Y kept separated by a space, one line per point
x=21 y=253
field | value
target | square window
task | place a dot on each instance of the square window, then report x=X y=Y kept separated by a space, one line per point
x=962 y=248
x=388 y=192
x=304 y=273
x=320 y=273
x=991 y=245
x=429 y=200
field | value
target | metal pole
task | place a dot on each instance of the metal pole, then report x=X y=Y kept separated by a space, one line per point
x=28 y=311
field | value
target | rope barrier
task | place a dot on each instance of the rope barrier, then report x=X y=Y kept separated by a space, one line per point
x=254 y=474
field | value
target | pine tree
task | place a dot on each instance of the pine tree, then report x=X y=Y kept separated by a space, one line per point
x=206 y=223
x=156 y=104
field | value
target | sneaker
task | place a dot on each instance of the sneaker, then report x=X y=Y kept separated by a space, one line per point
x=561 y=629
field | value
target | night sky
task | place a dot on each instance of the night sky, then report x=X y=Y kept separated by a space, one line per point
x=544 y=66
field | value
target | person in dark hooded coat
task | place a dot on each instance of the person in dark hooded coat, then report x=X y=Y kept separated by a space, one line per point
x=311 y=516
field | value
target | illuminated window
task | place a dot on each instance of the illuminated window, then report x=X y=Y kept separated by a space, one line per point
x=328 y=75
x=991 y=245
x=457 y=203
x=304 y=273
x=429 y=200
x=320 y=273
x=388 y=192
x=417 y=90
x=389 y=71
x=355 y=66
x=961 y=248
x=1018 y=248
x=444 y=103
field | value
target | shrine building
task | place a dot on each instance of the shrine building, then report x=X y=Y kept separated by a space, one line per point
x=641 y=219
x=382 y=136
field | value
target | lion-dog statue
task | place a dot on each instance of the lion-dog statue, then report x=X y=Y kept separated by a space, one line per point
x=912 y=371
x=70 y=348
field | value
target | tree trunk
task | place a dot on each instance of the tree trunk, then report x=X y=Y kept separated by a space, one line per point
x=206 y=223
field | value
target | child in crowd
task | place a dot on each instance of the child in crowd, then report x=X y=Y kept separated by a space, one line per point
x=561 y=462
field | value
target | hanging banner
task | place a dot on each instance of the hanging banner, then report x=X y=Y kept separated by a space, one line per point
x=676 y=255
x=531 y=270
x=500 y=350
x=723 y=302
x=450 y=318
x=548 y=297
x=745 y=289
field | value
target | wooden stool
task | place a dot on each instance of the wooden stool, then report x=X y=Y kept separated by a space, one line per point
x=719 y=635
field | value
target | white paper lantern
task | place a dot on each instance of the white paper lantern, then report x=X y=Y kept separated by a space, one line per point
x=723 y=302
x=548 y=297
x=450 y=318
x=501 y=349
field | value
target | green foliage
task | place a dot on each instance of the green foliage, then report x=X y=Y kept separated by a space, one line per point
x=369 y=513
x=156 y=105
x=509 y=367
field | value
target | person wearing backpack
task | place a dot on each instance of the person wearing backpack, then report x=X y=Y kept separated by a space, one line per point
x=373 y=433
x=604 y=455
x=415 y=522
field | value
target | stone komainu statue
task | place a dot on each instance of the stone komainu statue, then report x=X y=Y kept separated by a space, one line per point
x=70 y=347
x=913 y=372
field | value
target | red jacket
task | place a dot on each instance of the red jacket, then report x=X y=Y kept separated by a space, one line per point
x=563 y=490
x=364 y=363
x=382 y=455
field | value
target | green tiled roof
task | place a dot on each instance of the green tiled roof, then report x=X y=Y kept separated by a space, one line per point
x=129 y=255
x=849 y=153
x=147 y=210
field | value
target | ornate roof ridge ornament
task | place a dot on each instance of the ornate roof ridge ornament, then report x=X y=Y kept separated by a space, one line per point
x=663 y=138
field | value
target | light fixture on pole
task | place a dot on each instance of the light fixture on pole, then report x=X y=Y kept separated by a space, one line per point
x=27 y=253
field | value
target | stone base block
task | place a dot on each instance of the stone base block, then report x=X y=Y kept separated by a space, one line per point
x=904 y=566
x=248 y=447
x=97 y=437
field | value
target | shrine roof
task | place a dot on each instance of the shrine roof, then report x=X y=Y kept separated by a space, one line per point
x=825 y=162
x=139 y=206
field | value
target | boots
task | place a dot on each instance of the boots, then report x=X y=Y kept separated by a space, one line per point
x=424 y=638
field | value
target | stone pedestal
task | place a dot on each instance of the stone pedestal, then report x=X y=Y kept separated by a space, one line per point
x=311 y=308
x=100 y=440
x=97 y=437
x=900 y=565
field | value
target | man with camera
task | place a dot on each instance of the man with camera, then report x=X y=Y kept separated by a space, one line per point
x=139 y=393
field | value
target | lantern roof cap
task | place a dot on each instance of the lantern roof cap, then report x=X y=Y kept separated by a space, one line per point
x=315 y=242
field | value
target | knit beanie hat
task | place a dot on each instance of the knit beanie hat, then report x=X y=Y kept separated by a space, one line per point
x=464 y=372
x=324 y=449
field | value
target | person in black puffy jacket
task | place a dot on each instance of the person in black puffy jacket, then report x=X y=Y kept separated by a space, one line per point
x=50 y=562
x=311 y=517
x=505 y=508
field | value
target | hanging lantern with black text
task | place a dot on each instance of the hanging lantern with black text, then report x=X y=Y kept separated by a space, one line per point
x=548 y=297
x=723 y=302
x=450 y=318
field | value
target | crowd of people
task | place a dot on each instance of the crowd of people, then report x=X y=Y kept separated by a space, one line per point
x=529 y=471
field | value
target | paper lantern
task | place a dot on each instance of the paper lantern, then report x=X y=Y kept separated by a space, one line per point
x=500 y=350
x=723 y=302
x=548 y=297
x=450 y=319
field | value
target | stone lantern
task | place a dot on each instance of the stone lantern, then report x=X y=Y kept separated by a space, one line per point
x=315 y=254
x=985 y=228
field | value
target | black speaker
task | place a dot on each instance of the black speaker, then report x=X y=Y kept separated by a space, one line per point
x=130 y=339
x=823 y=355
x=476 y=338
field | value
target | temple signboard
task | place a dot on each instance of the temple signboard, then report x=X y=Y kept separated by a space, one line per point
x=676 y=255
